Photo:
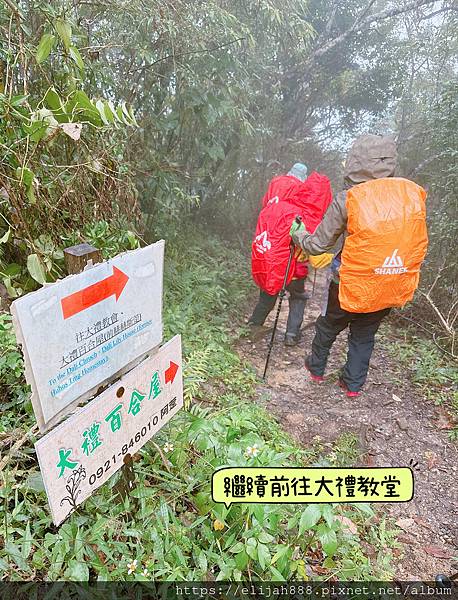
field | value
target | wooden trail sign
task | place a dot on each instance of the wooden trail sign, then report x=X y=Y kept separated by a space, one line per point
x=79 y=455
x=85 y=329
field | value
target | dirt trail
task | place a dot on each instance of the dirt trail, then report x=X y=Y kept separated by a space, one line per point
x=394 y=424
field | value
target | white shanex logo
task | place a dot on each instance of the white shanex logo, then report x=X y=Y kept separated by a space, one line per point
x=262 y=243
x=392 y=265
x=274 y=200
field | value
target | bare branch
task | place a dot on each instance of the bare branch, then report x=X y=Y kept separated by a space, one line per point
x=173 y=55
x=10 y=4
x=363 y=22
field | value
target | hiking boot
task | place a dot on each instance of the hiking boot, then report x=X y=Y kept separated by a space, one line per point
x=292 y=339
x=343 y=386
x=313 y=377
x=257 y=332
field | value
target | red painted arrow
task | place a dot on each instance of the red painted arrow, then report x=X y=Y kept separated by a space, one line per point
x=171 y=372
x=87 y=297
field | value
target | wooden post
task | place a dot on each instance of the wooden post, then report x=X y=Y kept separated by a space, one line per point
x=127 y=482
x=77 y=257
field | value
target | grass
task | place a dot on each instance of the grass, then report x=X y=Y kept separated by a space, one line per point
x=431 y=370
x=170 y=525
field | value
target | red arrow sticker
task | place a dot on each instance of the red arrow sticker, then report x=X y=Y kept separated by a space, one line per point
x=171 y=372
x=95 y=293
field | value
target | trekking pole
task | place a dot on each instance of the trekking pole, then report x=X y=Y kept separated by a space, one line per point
x=281 y=296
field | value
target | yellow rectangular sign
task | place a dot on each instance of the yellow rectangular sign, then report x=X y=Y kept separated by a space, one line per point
x=275 y=485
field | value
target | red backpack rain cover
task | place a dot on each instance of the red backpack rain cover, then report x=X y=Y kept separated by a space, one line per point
x=285 y=198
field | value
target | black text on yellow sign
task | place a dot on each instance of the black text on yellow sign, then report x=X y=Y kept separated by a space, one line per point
x=288 y=485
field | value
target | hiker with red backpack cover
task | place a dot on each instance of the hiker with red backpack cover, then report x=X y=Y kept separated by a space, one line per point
x=381 y=222
x=287 y=197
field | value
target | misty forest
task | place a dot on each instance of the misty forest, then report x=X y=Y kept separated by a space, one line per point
x=127 y=122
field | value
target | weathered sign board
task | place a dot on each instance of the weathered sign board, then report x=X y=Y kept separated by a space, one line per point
x=84 y=329
x=79 y=455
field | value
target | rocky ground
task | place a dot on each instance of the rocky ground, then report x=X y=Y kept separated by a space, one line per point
x=394 y=424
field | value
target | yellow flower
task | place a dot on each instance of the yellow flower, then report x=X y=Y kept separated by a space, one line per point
x=218 y=525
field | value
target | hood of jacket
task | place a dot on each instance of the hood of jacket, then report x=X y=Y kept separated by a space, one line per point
x=370 y=157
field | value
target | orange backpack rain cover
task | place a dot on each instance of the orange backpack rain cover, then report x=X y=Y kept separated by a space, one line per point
x=386 y=244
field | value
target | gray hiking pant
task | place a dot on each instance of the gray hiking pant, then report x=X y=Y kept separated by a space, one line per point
x=297 y=301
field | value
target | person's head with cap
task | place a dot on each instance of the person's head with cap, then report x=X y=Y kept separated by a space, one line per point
x=299 y=171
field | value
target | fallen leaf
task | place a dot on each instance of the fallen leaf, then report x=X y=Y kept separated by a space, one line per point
x=437 y=551
x=320 y=570
x=422 y=522
x=405 y=523
x=444 y=419
x=73 y=130
x=405 y=539
x=396 y=398
x=368 y=550
x=369 y=460
x=347 y=524
x=432 y=460
x=218 y=525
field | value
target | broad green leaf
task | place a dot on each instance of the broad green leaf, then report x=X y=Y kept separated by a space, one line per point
x=44 y=47
x=328 y=513
x=25 y=175
x=121 y=117
x=64 y=30
x=109 y=114
x=364 y=507
x=18 y=100
x=329 y=563
x=328 y=541
x=250 y=548
x=80 y=104
x=77 y=571
x=127 y=114
x=279 y=553
x=52 y=100
x=31 y=195
x=14 y=553
x=12 y=291
x=309 y=518
x=76 y=57
x=265 y=538
x=27 y=542
x=12 y=269
x=132 y=116
x=277 y=576
x=112 y=108
x=36 y=130
x=35 y=482
x=100 y=106
x=236 y=548
x=241 y=560
x=202 y=560
x=143 y=492
x=263 y=555
x=36 y=268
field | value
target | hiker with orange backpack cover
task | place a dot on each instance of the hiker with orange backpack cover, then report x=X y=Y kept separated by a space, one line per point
x=380 y=223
